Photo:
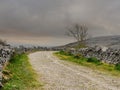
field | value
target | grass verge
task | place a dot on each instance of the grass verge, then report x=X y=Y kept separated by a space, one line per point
x=20 y=75
x=92 y=63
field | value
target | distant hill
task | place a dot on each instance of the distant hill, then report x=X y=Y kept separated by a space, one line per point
x=108 y=41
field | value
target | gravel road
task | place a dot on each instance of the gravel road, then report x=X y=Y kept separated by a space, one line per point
x=62 y=75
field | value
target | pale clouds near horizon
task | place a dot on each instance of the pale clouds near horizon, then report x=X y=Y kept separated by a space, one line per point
x=30 y=21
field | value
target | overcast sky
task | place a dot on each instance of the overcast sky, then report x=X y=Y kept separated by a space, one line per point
x=44 y=22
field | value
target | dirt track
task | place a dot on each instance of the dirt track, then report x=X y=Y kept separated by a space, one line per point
x=62 y=75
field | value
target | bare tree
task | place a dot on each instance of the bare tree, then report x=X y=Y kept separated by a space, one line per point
x=80 y=33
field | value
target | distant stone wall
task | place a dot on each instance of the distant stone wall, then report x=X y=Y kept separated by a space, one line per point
x=108 y=55
x=5 y=54
x=22 y=49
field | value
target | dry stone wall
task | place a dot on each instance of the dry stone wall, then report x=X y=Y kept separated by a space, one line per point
x=108 y=55
x=5 y=54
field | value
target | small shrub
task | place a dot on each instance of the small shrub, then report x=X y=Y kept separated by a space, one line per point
x=61 y=52
x=77 y=56
x=65 y=52
x=117 y=67
x=94 y=60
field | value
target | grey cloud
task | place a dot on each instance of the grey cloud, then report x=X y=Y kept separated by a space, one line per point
x=50 y=17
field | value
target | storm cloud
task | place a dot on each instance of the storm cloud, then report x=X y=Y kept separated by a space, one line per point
x=49 y=18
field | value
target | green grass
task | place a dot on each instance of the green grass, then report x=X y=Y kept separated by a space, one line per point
x=92 y=63
x=117 y=67
x=21 y=75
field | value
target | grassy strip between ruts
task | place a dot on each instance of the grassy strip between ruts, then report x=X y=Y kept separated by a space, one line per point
x=20 y=75
x=92 y=63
